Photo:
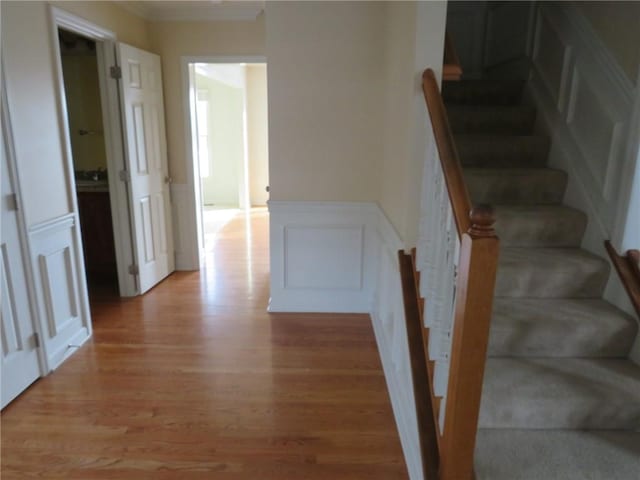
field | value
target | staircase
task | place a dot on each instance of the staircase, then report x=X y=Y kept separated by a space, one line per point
x=560 y=399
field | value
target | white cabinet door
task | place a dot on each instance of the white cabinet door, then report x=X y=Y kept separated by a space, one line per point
x=20 y=365
x=146 y=156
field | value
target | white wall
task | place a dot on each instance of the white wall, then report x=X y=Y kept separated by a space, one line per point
x=257 y=133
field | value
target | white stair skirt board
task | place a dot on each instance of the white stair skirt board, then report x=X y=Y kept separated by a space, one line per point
x=585 y=102
x=322 y=256
x=388 y=318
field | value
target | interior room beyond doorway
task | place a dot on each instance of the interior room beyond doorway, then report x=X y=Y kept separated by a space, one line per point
x=229 y=135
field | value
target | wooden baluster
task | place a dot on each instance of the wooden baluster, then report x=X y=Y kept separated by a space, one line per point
x=474 y=297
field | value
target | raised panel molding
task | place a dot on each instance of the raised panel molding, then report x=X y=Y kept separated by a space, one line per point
x=11 y=335
x=322 y=256
x=584 y=103
x=61 y=295
x=328 y=257
x=61 y=298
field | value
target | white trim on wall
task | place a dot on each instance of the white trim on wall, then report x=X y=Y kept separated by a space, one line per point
x=591 y=109
x=322 y=256
x=190 y=207
x=584 y=101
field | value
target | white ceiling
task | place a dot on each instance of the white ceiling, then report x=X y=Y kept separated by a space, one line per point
x=206 y=10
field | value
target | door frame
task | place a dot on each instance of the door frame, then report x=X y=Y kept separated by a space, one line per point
x=114 y=143
x=25 y=247
x=191 y=238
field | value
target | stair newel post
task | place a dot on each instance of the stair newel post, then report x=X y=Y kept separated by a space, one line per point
x=470 y=336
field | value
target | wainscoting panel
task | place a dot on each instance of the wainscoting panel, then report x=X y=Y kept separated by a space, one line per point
x=584 y=101
x=387 y=316
x=322 y=256
x=62 y=301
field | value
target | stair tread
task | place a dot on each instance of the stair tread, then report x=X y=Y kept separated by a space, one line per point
x=553 y=393
x=550 y=273
x=503 y=454
x=539 y=225
x=538 y=327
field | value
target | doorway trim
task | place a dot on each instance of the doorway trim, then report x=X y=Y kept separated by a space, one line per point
x=191 y=237
x=114 y=143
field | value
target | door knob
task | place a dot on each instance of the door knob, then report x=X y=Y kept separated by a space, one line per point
x=168 y=179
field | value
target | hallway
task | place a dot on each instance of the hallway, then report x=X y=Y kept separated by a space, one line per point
x=195 y=380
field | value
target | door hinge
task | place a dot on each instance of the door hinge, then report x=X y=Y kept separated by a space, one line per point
x=35 y=339
x=12 y=202
x=133 y=269
x=124 y=175
x=115 y=72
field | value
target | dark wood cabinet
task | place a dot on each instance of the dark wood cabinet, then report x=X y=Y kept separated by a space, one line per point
x=97 y=236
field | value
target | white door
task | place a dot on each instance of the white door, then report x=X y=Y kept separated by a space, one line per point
x=20 y=367
x=146 y=157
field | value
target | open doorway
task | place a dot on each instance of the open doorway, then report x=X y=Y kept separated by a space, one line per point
x=230 y=147
x=79 y=62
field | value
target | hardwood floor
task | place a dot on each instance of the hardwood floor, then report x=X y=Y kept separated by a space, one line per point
x=195 y=380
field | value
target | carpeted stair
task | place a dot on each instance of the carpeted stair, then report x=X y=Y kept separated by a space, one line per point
x=561 y=401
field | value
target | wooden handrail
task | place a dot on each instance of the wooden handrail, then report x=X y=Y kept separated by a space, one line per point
x=423 y=393
x=628 y=271
x=451 y=68
x=451 y=165
x=449 y=447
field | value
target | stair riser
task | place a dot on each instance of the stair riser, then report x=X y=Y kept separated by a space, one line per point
x=520 y=276
x=521 y=330
x=497 y=152
x=482 y=93
x=575 y=414
x=517 y=121
x=545 y=188
x=540 y=230
x=560 y=394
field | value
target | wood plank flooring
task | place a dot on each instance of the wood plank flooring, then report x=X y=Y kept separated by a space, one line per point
x=195 y=380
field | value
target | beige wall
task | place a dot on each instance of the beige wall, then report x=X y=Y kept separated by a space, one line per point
x=129 y=28
x=172 y=40
x=618 y=25
x=399 y=56
x=82 y=90
x=325 y=112
x=257 y=133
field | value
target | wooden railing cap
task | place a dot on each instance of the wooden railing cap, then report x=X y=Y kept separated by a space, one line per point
x=482 y=218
